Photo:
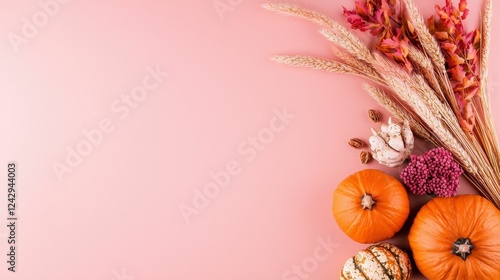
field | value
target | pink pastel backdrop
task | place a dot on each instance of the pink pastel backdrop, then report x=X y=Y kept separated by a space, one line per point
x=116 y=215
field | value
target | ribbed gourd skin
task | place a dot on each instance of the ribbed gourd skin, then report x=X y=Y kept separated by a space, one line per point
x=383 y=261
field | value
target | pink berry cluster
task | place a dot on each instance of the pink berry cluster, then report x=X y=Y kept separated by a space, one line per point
x=434 y=173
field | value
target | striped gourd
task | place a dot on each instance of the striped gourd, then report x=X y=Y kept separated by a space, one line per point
x=383 y=261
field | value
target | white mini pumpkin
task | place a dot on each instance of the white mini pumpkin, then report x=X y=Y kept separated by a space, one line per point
x=382 y=261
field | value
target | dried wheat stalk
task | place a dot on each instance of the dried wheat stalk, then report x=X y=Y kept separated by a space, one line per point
x=423 y=63
x=429 y=43
x=316 y=63
x=397 y=110
x=485 y=38
x=487 y=132
x=432 y=50
x=357 y=64
x=362 y=51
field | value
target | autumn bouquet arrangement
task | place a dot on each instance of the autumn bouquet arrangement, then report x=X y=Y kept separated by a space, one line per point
x=431 y=74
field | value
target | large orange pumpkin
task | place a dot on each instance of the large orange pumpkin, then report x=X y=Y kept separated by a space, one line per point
x=370 y=206
x=457 y=238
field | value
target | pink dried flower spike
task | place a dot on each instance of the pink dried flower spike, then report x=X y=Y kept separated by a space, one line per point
x=435 y=173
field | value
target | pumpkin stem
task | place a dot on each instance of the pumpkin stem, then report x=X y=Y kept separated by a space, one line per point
x=462 y=248
x=367 y=202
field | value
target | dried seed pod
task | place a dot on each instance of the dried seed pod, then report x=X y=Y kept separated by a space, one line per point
x=374 y=115
x=393 y=144
x=365 y=157
x=356 y=143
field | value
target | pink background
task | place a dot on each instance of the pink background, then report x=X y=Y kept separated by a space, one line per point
x=116 y=215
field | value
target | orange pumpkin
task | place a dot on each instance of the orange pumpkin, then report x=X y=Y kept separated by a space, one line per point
x=370 y=206
x=457 y=238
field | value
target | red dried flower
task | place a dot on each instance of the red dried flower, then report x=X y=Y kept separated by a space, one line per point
x=381 y=19
x=368 y=17
x=434 y=173
x=461 y=52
